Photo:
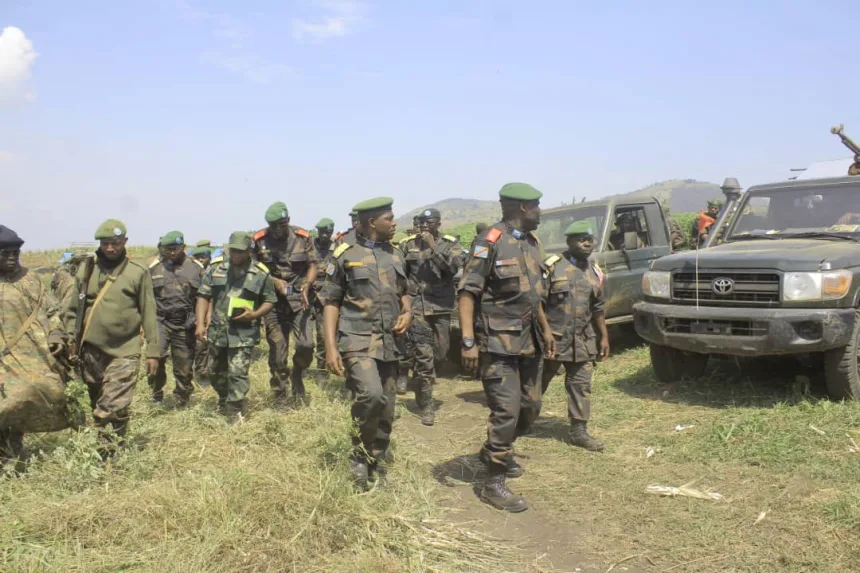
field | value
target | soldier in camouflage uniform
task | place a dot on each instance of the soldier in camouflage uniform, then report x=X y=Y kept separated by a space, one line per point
x=322 y=244
x=291 y=258
x=119 y=302
x=236 y=293
x=31 y=340
x=63 y=282
x=504 y=274
x=175 y=280
x=367 y=301
x=202 y=253
x=574 y=308
x=348 y=236
x=676 y=235
x=432 y=260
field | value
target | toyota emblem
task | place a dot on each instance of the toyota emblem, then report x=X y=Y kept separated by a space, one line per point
x=722 y=286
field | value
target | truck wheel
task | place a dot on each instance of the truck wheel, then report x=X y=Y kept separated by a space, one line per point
x=842 y=367
x=671 y=365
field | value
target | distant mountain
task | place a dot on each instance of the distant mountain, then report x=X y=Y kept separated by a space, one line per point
x=683 y=195
x=456 y=212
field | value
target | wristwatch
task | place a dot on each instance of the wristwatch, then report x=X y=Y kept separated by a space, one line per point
x=468 y=343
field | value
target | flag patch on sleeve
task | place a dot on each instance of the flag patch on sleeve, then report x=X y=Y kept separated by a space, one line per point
x=481 y=252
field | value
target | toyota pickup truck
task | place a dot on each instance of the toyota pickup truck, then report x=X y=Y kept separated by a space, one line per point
x=784 y=279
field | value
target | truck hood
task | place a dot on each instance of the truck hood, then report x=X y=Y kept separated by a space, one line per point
x=788 y=255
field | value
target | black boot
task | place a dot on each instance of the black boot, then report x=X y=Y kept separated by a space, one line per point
x=579 y=437
x=513 y=470
x=360 y=471
x=428 y=414
x=497 y=494
x=402 y=383
x=298 y=384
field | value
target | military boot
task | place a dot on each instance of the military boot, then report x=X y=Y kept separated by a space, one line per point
x=402 y=383
x=298 y=384
x=360 y=472
x=497 y=494
x=579 y=437
x=428 y=414
x=513 y=470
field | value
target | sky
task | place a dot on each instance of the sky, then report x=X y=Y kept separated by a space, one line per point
x=196 y=115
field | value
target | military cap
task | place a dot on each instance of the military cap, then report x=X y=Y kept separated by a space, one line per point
x=172 y=238
x=203 y=243
x=201 y=252
x=9 y=238
x=375 y=204
x=715 y=203
x=239 y=240
x=579 y=228
x=519 y=192
x=110 y=229
x=277 y=211
x=430 y=214
x=325 y=223
x=353 y=213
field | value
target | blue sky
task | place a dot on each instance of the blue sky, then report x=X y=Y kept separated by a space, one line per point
x=197 y=115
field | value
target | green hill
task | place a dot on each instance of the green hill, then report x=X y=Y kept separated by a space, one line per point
x=456 y=212
x=683 y=195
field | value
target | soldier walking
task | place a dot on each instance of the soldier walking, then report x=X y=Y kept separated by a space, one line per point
x=322 y=244
x=118 y=301
x=175 y=281
x=504 y=275
x=202 y=253
x=574 y=310
x=236 y=293
x=291 y=258
x=366 y=305
x=432 y=260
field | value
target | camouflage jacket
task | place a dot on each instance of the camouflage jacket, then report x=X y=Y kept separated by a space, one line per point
x=126 y=305
x=574 y=296
x=322 y=256
x=344 y=238
x=433 y=272
x=366 y=280
x=221 y=283
x=288 y=260
x=505 y=273
x=676 y=236
x=63 y=284
x=176 y=290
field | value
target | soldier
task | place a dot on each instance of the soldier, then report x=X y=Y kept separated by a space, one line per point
x=322 y=244
x=432 y=260
x=626 y=223
x=119 y=302
x=202 y=253
x=702 y=224
x=236 y=293
x=31 y=341
x=348 y=237
x=63 y=282
x=175 y=280
x=290 y=255
x=676 y=235
x=367 y=303
x=574 y=309
x=504 y=274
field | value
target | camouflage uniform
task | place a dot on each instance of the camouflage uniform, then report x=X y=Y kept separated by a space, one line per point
x=176 y=289
x=230 y=343
x=676 y=235
x=366 y=280
x=203 y=255
x=344 y=238
x=574 y=296
x=288 y=259
x=321 y=255
x=433 y=272
x=504 y=275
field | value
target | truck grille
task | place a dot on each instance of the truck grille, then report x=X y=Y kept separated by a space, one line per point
x=748 y=289
x=715 y=327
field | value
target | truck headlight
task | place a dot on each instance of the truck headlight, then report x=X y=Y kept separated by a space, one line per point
x=830 y=285
x=657 y=284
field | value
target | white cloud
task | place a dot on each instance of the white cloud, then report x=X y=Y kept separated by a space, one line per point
x=16 y=60
x=339 y=18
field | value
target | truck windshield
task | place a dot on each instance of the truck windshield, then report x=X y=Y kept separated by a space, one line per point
x=829 y=211
x=552 y=226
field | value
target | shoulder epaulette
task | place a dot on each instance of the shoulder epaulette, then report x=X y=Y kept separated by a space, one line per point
x=450 y=238
x=154 y=263
x=552 y=260
x=217 y=260
x=339 y=236
x=260 y=234
x=341 y=249
x=493 y=235
x=301 y=232
x=262 y=267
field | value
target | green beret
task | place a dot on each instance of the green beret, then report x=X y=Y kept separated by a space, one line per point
x=579 y=228
x=430 y=214
x=203 y=243
x=110 y=229
x=519 y=192
x=715 y=203
x=201 y=252
x=375 y=204
x=353 y=213
x=325 y=223
x=277 y=211
x=240 y=240
x=172 y=238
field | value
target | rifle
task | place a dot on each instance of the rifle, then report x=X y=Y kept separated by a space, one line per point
x=853 y=147
x=77 y=339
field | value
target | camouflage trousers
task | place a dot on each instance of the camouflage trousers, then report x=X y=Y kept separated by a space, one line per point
x=373 y=385
x=110 y=382
x=228 y=374
x=430 y=348
x=201 y=364
x=512 y=388
x=577 y=383
x=280 y=323
x=180 y=343
x=319 y=348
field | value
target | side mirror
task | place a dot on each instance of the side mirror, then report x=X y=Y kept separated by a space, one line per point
x=631 y=241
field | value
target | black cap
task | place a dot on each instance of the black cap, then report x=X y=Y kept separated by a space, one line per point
x=9 y=238
x=429 y=214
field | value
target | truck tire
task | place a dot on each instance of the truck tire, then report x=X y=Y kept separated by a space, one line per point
x=842 y=367
x=672 y=365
